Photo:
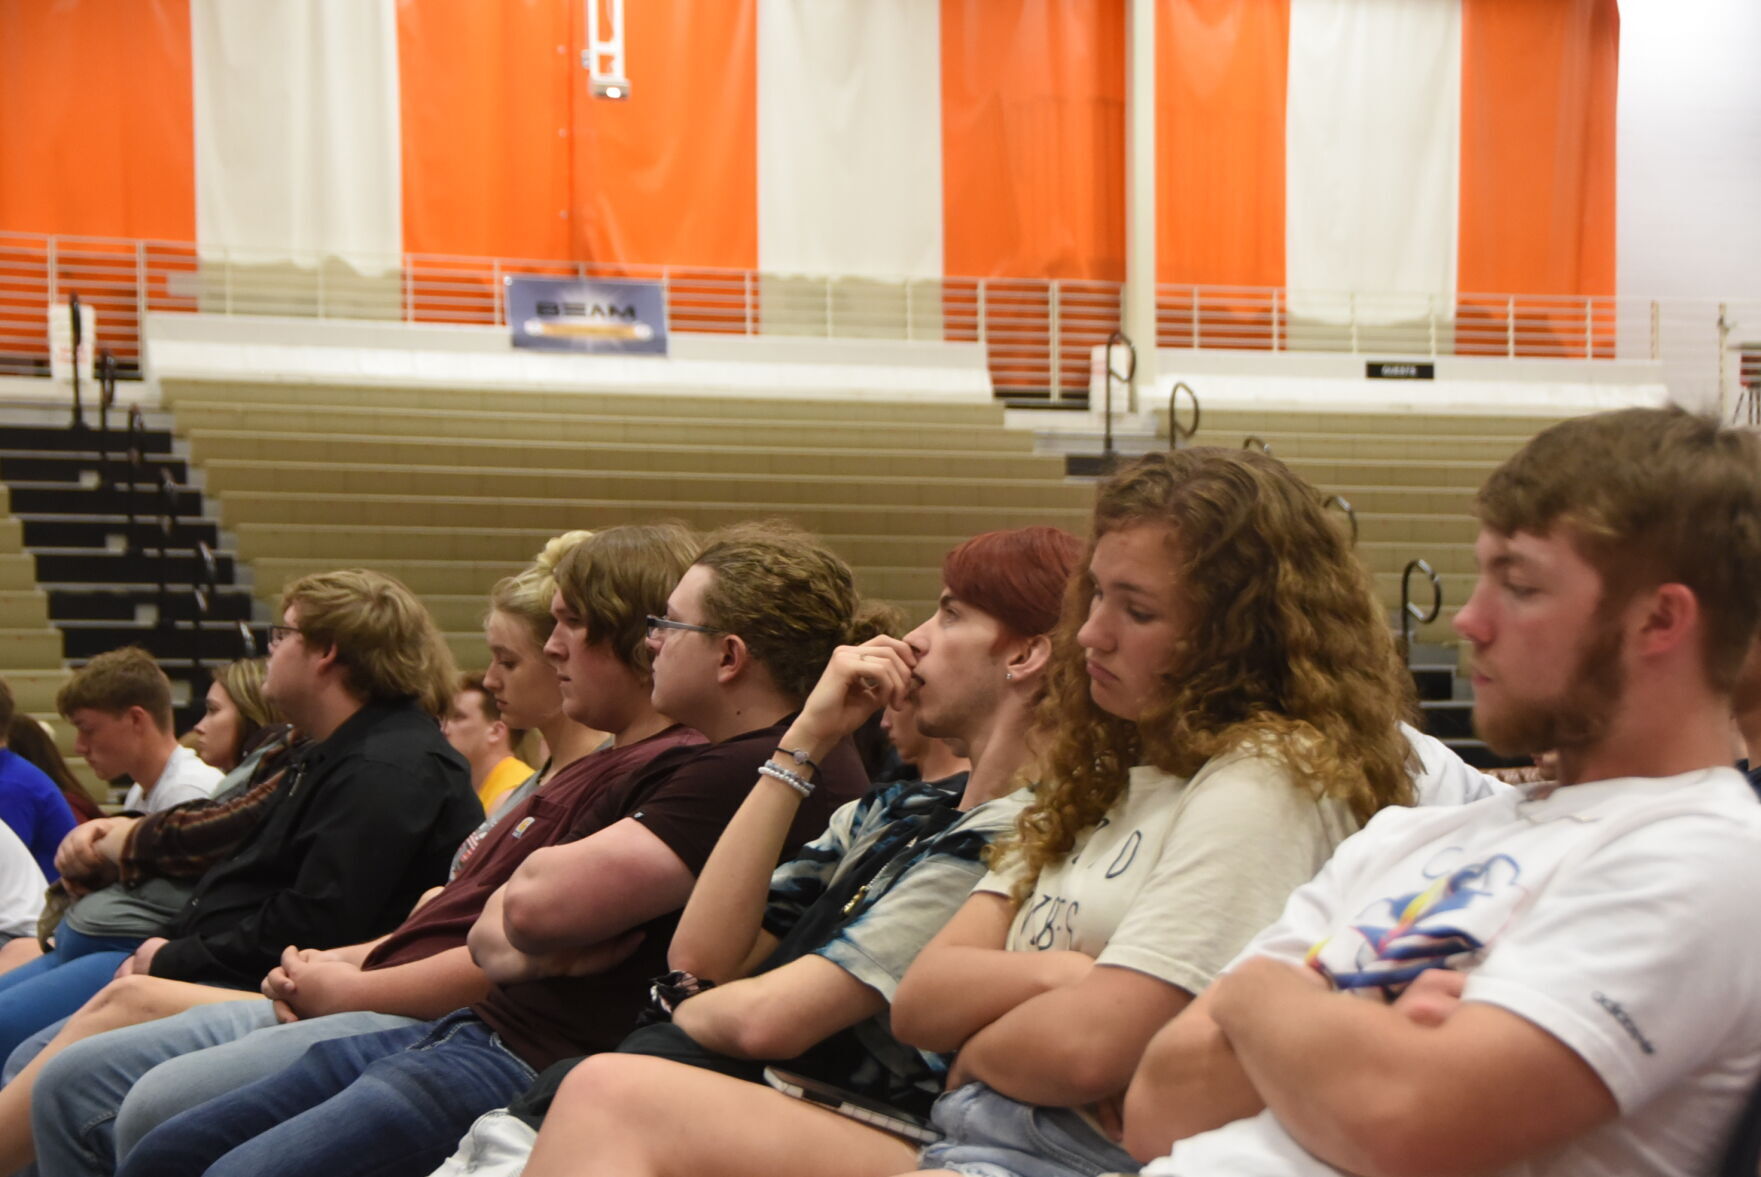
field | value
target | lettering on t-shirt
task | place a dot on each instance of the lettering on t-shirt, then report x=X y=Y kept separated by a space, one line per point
x=1044 y=919
x=1618 y=1013
x=1446 y=924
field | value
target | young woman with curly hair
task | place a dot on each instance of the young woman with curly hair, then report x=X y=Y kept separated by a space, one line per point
x=1222 y=708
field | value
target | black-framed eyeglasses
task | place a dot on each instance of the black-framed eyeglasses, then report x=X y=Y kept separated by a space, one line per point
x=659 y=625
x=280 y=633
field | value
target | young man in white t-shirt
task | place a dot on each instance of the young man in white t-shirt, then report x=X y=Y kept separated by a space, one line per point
x=119 y=704
x=1556 y=979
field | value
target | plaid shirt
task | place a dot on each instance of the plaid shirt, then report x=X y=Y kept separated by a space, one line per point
x=183 y=842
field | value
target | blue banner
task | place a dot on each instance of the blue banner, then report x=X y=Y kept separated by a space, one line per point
x=591 y=315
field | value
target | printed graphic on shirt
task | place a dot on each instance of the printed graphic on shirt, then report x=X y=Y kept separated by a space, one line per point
x=1446 y=924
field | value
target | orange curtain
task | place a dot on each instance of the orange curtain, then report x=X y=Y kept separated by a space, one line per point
x=1033 y=138
x=1221 y=69
x=1220 y=73
x=95 y=125
x=96 y=140
x=1537 y=175
x=1033 y=180
x=484 y=94
x=670 y=174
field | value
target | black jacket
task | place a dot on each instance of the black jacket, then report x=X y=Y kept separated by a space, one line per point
x=369 y=820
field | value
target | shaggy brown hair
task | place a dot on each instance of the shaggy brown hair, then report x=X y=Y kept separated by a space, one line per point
x=1288 y=650
x=1649 y=497
x=614 y=578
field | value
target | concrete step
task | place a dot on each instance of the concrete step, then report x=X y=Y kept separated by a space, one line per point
x=226 y=477
x=725 y=428
x=777 y=410
x=213 y=447
x=342 y=545
x=392 y=511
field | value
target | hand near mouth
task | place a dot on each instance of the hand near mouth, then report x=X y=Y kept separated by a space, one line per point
x=857 y=682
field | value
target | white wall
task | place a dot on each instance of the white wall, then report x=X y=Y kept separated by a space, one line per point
x=1689 y=149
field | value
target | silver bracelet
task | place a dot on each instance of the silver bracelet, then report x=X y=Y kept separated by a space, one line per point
x=794 y=780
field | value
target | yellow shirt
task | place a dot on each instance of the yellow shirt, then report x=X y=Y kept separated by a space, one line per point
x=503 y=779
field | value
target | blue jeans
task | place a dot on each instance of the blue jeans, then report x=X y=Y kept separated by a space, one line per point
x=991 y=1135
x=372 y=1105
x=93 y=1102
x=53 y=986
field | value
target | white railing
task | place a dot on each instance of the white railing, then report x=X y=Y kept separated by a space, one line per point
x=1039 y=334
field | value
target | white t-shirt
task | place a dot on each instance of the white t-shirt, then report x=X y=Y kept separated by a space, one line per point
x=21 y=887
x=1179 y=874
x=1445 y=778
x=186 y=777
x=1617 y=915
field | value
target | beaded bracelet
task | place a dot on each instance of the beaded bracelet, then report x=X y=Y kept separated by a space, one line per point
x=794 y=780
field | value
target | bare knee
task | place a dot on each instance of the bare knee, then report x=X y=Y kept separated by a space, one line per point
x=117 y=999
x=612 y=1088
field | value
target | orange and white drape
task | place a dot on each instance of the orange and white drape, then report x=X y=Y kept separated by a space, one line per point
x=1426 y=147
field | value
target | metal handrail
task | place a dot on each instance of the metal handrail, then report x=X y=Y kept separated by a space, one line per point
x=1411 y=613
x=167 y=523
x=203 y=596
x=79 y=414
x=106 y=398
x=1339 y=502
x=1176 y=434
x=137 y=425
x=1108 y=455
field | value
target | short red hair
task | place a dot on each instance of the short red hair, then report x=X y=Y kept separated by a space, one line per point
x=1016 y=576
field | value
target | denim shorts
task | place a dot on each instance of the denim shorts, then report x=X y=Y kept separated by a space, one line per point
x=991 y=1135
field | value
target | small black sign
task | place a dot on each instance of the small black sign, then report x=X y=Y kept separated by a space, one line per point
x=1399 y=370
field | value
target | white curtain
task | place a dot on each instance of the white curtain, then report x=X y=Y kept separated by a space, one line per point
x=297 y=143
x=850 y=137
x=1372 y=157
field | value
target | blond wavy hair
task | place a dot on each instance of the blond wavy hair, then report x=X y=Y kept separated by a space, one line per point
x=790 y=598
x=385 y=639
x=1288 y=651
x=526 y=595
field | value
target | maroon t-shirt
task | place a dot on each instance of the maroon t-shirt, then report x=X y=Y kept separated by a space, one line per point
x=685 y=797
x=543 y=819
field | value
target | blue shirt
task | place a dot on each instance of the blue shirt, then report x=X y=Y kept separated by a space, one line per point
x=34 y=808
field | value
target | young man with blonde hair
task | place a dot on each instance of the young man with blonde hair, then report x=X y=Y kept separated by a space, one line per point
x=1554 y=980
x=369 y=817
x=119 y=704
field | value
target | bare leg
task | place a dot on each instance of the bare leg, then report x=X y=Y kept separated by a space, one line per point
x=17 y=951
x=126 y=1002
x=619 y=1114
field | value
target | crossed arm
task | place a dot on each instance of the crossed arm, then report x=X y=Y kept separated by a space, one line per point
x=1049 y=1028
x=577 y=908
x=1402 y=1090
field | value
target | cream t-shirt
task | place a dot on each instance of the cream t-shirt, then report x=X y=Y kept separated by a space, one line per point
x=1180 y=873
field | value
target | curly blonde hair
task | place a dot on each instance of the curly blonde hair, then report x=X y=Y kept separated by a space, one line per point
x=1288 y=650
